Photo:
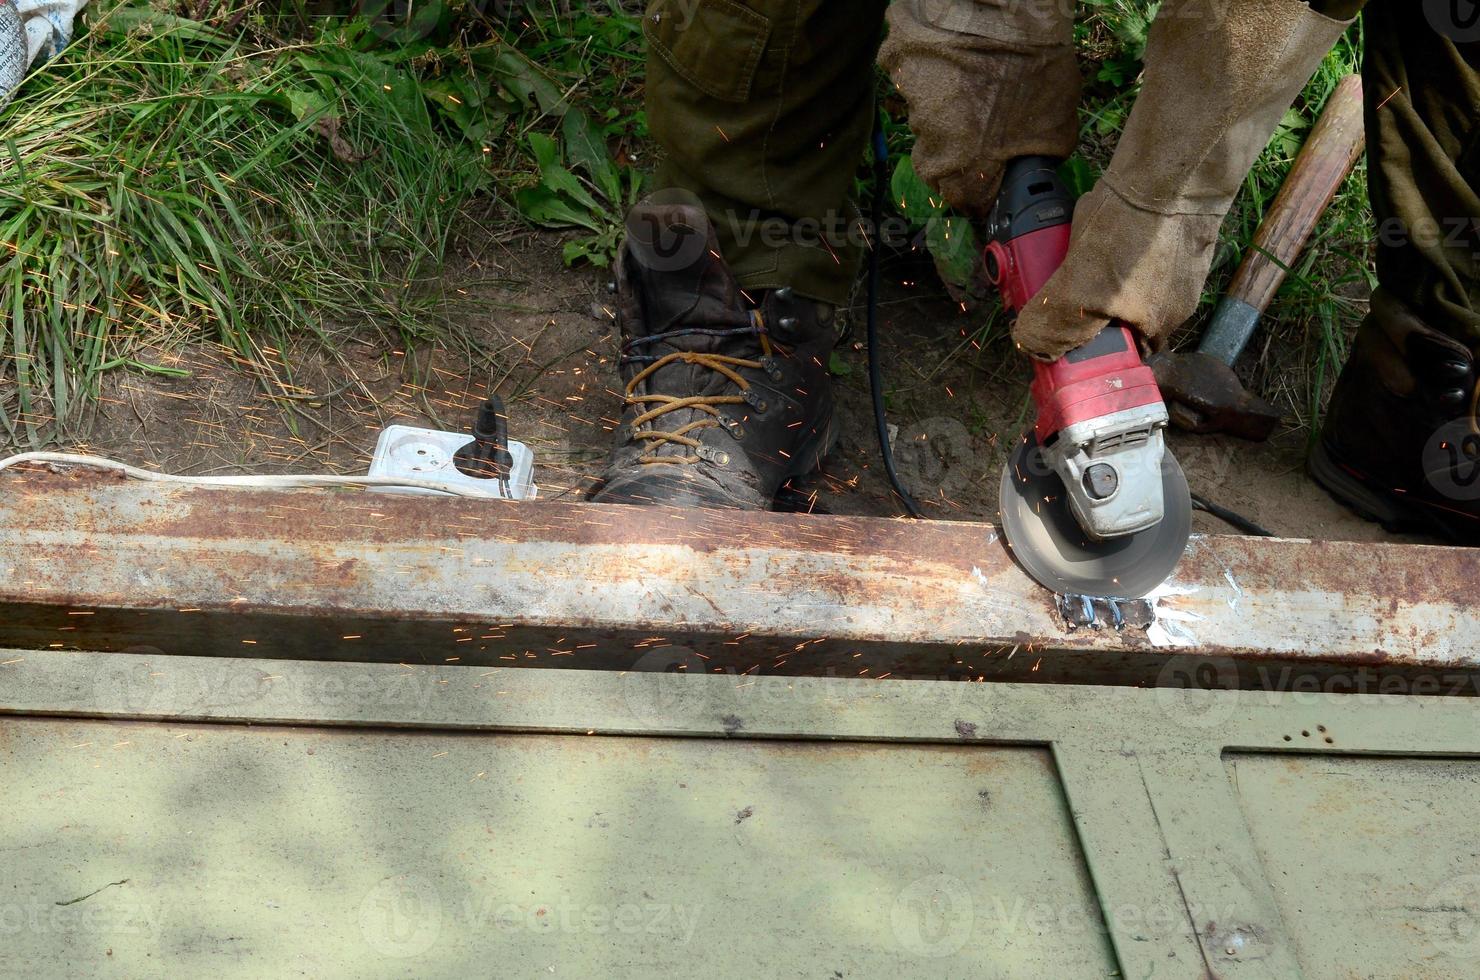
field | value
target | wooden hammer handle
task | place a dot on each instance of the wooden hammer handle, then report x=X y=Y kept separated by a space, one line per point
x=1329 y=154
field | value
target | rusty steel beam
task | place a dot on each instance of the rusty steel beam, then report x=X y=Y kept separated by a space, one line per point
x=95 y=564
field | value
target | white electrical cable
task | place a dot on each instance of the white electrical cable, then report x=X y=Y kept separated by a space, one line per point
x=269 y=482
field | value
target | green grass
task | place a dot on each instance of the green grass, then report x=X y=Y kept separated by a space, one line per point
x=1303 y=339
x=165 y=181
x=259 y=181
x=1305 y=336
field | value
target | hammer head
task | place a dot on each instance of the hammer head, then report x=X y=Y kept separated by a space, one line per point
x=1204 y=395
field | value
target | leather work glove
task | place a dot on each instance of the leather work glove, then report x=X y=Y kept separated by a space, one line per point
x=986 y=81
x=31 y=33
x=1215 y=88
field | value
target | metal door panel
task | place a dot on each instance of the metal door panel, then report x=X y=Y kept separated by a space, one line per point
x=868 y=847
x=1373 y=861
x=280 y=850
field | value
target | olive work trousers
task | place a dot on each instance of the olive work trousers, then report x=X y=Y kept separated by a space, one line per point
x=763 y=108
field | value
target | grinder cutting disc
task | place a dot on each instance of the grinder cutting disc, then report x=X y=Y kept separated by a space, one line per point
x=1053 y=548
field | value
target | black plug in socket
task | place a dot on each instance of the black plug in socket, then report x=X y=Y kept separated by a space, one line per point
x=487 y=457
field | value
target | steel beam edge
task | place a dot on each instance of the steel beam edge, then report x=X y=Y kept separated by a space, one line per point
x=92 y=563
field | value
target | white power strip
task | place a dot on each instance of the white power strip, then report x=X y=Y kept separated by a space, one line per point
x=407 y=460
x=426 y=455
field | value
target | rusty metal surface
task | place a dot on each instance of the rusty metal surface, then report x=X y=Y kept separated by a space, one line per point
x=90 y=563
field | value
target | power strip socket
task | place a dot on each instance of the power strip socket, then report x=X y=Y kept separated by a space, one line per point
x=426 y=454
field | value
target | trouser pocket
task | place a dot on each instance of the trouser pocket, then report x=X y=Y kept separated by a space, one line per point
x=715 y=45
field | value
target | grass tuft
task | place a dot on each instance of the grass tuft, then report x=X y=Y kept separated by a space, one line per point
x=292 y=176
x=163 y=180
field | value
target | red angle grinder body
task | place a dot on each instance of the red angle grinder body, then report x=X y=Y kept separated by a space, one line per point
x=1091 y=501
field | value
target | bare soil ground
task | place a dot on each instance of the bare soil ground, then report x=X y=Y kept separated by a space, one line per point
x=537 y=333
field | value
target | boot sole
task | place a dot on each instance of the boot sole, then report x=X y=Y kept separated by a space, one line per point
x=812 y=454
x=1397 y=516
x=809 y=459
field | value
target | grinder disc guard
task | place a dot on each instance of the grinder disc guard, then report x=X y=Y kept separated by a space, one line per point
x=1052 y=547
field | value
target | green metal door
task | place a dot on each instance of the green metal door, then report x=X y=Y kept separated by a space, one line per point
x=180 y=815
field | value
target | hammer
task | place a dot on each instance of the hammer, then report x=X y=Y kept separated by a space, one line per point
x=1201 y=391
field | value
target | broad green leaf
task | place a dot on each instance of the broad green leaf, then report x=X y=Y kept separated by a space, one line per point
x=1114 y=72
x=306 y=104
x=586 y=147
x=1077 y=175
x=554 y=176
x=914 y=199
x=953 y=244
x=474 y=118
x=1294 y=119
x=1290 y=134
x=1110 y=120
x=543 y=206
x=546 y=151
x=522 y=77
x=591 y=250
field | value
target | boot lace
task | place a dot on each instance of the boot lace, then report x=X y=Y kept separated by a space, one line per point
x=652 y=407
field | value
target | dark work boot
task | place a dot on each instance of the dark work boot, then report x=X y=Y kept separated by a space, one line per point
x=726 y=399
x=1400 y=444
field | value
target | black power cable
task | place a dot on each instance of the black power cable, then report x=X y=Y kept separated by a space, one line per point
x=875 y=372
x=1230 y=517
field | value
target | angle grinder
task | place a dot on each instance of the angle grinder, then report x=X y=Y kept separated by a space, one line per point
x=1091 y=501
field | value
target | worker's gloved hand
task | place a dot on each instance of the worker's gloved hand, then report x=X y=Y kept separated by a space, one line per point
x=32 y=32
x=1214 y=91
x=986 y=81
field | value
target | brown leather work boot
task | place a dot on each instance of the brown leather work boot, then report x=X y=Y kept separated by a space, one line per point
x=1401 y=445
x=725 y=399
